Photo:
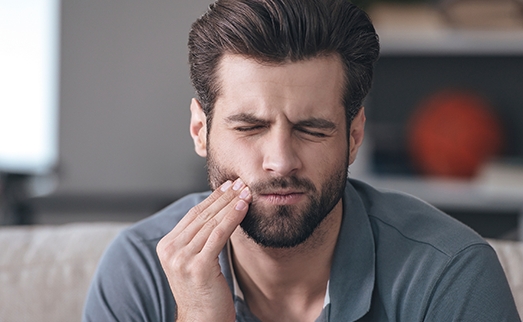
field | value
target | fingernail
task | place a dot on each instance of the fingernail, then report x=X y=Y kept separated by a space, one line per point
x=245 y=193
x=241 y=205
x=237 y=184
x=226 y=185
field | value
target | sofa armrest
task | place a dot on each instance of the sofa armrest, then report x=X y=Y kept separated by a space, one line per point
x=510 y=254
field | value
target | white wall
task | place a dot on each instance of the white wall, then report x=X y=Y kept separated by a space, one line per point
x=125 y=95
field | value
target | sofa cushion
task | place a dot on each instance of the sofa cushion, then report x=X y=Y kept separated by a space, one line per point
x=45 y=271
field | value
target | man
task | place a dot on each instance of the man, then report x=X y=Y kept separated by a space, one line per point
x=284 y=236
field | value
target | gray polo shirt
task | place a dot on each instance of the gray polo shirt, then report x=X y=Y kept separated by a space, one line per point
x=397 y=259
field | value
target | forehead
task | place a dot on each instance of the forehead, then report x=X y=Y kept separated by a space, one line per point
x=312 y=86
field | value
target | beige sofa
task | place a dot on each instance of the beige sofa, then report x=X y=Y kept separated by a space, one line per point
x=45 y=270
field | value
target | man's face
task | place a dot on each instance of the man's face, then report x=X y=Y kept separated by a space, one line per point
x=282 y=130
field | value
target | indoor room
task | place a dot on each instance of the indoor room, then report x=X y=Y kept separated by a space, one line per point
x=95 y=103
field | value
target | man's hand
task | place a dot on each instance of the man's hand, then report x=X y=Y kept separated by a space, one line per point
x=189 y=254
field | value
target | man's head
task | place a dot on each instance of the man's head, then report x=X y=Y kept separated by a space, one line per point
x=280 y=31
x=282 y=87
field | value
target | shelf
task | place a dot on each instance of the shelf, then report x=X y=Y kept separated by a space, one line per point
x=498 y=186
x=447 y=41
x=465 y=28
x=454 y=193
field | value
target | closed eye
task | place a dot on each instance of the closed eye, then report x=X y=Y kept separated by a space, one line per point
x=250 y=128
x=313 y=133
x=316 y=127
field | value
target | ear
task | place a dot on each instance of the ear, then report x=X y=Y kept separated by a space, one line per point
x=357 y=131
x=198 y=128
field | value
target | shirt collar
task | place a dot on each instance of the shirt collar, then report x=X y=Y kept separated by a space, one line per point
x=353 y=268
x=237 y=291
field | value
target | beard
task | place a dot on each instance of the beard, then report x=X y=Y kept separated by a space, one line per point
x=284 y=226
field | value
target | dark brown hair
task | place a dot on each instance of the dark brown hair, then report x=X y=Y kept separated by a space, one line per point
x=279 y=31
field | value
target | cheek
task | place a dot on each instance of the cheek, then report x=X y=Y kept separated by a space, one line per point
x=326 y=154
x=246 y=160
x=323 y=163
x=235 y=158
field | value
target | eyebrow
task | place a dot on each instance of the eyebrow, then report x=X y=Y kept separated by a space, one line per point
x=313 y=122
x=245 y=118
x=317 y=123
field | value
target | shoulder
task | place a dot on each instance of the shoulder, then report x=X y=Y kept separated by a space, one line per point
x=137 y=243
x=400 y=216
x=130 y=269
x=422 y=255
x=159 y=224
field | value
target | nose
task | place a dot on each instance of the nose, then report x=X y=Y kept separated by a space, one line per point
x=281 y=156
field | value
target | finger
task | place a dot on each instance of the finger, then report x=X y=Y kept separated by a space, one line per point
x=224 y=229
x=223 y=224
x=202 y=214
x=194 y=212
x=226 y=198
x=221 y=234
x=183 y=233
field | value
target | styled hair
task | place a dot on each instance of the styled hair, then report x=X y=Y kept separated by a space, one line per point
x=281 y=31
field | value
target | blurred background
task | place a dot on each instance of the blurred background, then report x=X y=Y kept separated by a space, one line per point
x=110 y=132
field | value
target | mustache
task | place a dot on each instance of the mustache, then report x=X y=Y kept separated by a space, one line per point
x=292 y=182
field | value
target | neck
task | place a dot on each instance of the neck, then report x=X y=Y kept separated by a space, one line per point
x=287 y=284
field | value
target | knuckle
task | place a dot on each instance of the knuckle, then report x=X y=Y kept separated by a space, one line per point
x=218 y=236
x=180 y=264
x=183 y=235
x=212 y=223
x=198 y=209
x=203 y=216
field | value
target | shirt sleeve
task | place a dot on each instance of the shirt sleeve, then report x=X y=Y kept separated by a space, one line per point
x=129 y=284
x=473 y=287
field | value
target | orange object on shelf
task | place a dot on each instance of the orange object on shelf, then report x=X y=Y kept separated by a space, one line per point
x=452 y=133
